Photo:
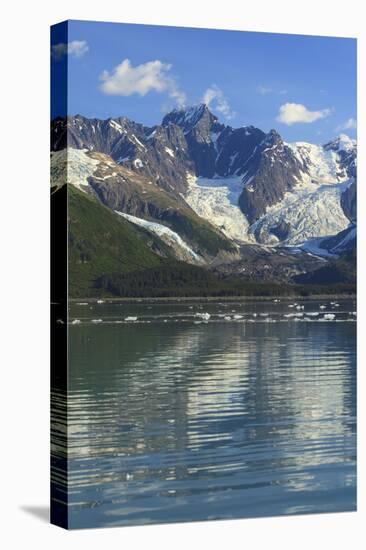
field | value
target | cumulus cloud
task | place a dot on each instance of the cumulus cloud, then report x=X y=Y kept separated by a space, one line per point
x=76 y=48
x=350 y=124
x=265 y=90
x=215 y=97
x=126 y=80
x=295 y=113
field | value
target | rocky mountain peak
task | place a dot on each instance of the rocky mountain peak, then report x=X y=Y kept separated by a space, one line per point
x=340 y=143
x=187 y=119
x=271 y=139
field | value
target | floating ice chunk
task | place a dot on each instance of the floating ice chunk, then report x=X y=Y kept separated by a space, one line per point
x=81 y=303
x=97 y=321
x=295 y=315
x=329 y=316
x=76 y=322
x=205 y=316
x=291 y=305
x=129 y=477
x=227 y=318
x=131 y=318
x=299 y=307
x=263 y=314
x=322 y=307
x=255 y=314
x=312 y=313
x=276 y=301
x=100 y=301
x=237 y=316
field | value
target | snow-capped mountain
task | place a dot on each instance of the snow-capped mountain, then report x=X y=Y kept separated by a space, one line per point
x=246 y=185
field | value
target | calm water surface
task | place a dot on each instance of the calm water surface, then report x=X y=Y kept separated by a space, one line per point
x=173 y=417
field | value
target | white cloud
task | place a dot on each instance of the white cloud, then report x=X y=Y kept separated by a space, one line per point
x=264 y=90
x=76 y=48
x=350 y=124
x=295 y=113
x=126 y=80
x=215 y=96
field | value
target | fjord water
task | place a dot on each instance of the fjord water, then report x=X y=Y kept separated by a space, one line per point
x=174 y=418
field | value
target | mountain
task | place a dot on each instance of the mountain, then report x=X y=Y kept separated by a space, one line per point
x=217 y=196
x=272 y=161
x=133 y=194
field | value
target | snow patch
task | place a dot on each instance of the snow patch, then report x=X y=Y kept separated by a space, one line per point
x=138 y=163
x=171 y=238
x=116 y=127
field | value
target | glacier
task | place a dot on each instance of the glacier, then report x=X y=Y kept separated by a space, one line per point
x=217 y=200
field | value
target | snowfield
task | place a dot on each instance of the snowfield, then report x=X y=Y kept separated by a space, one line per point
x=171 y=238
x=216 y=200
x=77 y=164
x=323 y=166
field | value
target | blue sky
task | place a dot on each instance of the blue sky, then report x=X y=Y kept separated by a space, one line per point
x=304 y=87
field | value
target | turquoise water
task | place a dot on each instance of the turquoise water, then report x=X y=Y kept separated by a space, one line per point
x=179 y=417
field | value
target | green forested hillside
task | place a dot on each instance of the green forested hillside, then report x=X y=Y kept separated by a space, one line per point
x=102 y=242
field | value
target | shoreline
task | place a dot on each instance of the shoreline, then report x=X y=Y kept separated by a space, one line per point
x=215 y=298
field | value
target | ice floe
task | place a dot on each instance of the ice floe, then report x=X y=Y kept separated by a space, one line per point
x=204 y=316
x=329 y=316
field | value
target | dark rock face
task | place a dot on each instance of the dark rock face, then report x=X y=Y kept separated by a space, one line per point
x=214 y=148
x=349 y=202
x=273 y=170
x=199 y=126
x=344 y=241
x=281 y=230
x=236 y=148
